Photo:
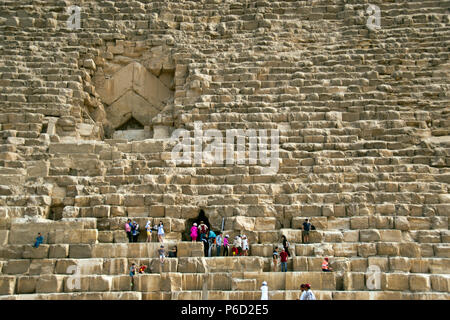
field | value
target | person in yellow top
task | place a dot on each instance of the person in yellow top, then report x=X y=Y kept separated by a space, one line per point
x=325 y=266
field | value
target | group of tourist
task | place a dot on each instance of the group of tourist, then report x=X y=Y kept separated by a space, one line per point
x=305 y=288
x=132 y=230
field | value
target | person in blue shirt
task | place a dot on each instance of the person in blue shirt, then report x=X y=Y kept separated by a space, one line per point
x=39 y=240
x=219 y=242
x=211 y=240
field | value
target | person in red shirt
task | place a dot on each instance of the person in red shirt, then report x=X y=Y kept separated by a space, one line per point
x=283 y=259
x=142 y=268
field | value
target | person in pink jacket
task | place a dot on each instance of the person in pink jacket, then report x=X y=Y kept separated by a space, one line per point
x=225 y=245
x=194 y=232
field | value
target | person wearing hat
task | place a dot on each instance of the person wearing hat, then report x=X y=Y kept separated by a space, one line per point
x=264 y=291
x=225 y=245
x=194 y=232
x=325 y=266
x=308 y=294
x=302 y=288
x=148 y=227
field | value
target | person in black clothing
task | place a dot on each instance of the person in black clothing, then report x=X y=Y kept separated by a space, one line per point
x=205 y=245
x=286 y=245
x=305 y=232
x=173 y=252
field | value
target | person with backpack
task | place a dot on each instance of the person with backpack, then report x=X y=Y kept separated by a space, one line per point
x=194 y=232
x=286 y=245
x=203 y=230
x=149 y=228
x=161 y=232
x=128 y=225
x=308 y=294
x=275 y=259
x=219 y=242
x=305 y=232
x=39 y=240
x=225 y=246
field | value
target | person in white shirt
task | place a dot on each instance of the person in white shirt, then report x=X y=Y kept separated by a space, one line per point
x=308 y=294
x=245 y=245
x=148 y=227
x=161 y=232
x=264 y=291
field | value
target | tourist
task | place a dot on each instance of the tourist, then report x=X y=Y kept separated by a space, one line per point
x=128 y=230
x=161 y=232
x=308 y=294
x=39 y=240
x=283 y=259
x=135 y=231
x=245 y=246
x=194 y=232
x=203 y=230
x=132 y=274
x=148 y=227
x=205 y=245
x=211 y=242
x=173 y=252
x=238 y=245
x=264 y=291
x=302 y=289
x=275 y=259
x=286 y=245
x=162 y=254
x=225 y=245
x=325 y=266
x=305 y=232
x=142 y=268
x=219 y=242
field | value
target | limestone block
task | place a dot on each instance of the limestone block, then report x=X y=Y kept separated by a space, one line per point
x=419 y=282
x=228 y=264
x=244 y=284
x=187 y=249
x=427 y=250
x=16 y=267
x=367 y=249
x=80 y=251
x=440 y=282
x=358 y=265
x=120 y=237
x=359 y=222
x=318 y=280
x=261 y=250
x=265 y=223
x=399 y=264
x=178 y=225
x=304 y=249
x=370 y=235
x=395 y=281
x=345 y=249
x=148 y=282
x=315 y=263
x=171 y=281
x=11 y=252
x=354 y=281
x=381 y=262
x=410 y=249
x=105 y=236
x=271 y=237
x=419 y=223
x=401 y=223
x=219 y=281
x=338 y=223
x=115 y=266
x=243 y=223
x=101 y=211
x=351 y=236
x=50 y=284
x=42 y=266
x=158 y=211
x=442 y=251
x=38 y=169
x=300 y=263
x=438 y=265
x=190 y=265
x=419 y=265
x=121 y=283
x=192 y=281
x=7 y=285
x=31 y=252
x=388 y=249
x=26 y=284
x=100 y=283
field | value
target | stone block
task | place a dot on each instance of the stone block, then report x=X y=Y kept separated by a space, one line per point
x=359 y=222
x=410 y=249
x=440 y=283
x=31 y=252
x=391 y=235
x=388 y=249
x=395 y=282
x=16 y=267
x=80 y=251
x=100 y=283
x=419 y=282
x=351 y=236
x=243 y=285
x=358 y=265
x=345 y=249
x=148 y=282
x=381 y=262
x=42 y=266
x=369 y=235
x=4 y=234
x=399 y=264
x=26 y=284
x=442 y=251
x=354 y=281
x=50 y=284
x=7 y=285
x=367 y=249
x=300 y=263
x=265 y=223
x=419 y=265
